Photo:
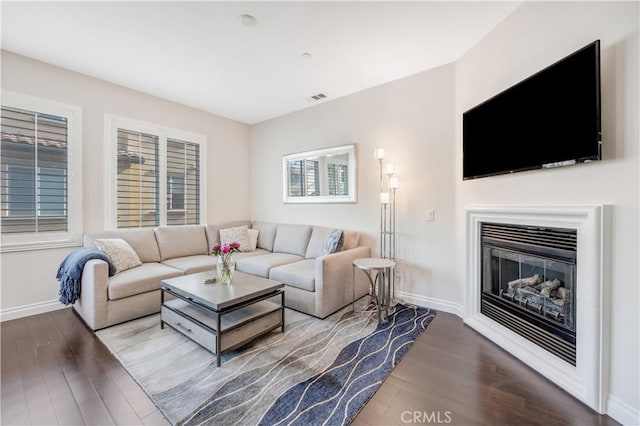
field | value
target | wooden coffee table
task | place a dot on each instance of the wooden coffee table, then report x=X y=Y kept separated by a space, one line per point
x=222 y=317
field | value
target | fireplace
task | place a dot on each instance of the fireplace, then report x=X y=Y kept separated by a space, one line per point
x=534 y=286
x=528 y=281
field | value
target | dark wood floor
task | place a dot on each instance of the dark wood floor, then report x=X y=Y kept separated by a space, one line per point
x=55 y=371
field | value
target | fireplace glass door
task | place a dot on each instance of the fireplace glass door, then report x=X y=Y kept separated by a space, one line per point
x=529 y=285
x=536 y=284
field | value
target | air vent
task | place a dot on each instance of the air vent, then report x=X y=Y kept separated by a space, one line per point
x=318 y=97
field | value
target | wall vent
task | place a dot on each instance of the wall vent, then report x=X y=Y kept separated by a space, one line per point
x=318 y=97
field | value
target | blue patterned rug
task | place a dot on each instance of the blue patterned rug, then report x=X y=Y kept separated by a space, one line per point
x=319 y=372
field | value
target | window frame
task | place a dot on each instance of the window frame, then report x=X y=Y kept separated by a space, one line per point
x=111 y=125
x=72 y=237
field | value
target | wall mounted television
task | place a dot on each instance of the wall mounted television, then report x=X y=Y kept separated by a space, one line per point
x=548 y=120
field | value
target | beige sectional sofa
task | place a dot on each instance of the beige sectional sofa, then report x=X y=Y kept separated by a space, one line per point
x=315 y=283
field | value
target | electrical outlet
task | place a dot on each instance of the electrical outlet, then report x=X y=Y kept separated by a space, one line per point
x=431 y=215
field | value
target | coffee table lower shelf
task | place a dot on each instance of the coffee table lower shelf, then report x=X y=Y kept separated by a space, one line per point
x=225 y=330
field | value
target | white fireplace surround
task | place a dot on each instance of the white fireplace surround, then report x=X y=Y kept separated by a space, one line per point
x=588 y=380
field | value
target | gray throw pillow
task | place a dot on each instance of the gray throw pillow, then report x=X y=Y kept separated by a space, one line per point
x=334 y=242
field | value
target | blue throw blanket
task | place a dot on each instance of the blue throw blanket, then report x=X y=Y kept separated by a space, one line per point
x=70 y=272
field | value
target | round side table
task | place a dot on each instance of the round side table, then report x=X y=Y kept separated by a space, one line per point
x=379 y=273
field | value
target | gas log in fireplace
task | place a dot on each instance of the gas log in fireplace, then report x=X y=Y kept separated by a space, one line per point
x=529 y=283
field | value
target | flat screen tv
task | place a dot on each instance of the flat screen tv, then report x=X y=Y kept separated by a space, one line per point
x=550 y=119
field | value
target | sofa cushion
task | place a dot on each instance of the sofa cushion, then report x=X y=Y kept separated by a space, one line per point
x=316 y=242
x=266 y=235
x=238 y=234
x=292 y=239
x=245 y=254
x=120 y=252
x=192 y=264
x=351 y=240
x=260 y=265
x=300 y=274
x=253 y=238
x=142 y=241
x=213 y=231
x=180 y=241
x=141 y=279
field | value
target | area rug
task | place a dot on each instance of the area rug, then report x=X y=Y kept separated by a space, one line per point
x=318 y=372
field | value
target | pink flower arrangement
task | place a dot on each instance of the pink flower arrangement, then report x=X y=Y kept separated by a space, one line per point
x=226 y=265
x=218 y=249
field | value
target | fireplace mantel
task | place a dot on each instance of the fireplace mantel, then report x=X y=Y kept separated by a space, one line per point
x=588 y=380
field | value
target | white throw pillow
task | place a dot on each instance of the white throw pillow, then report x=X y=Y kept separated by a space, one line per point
x=253 y=237
x=237 y=233
x=120 y=253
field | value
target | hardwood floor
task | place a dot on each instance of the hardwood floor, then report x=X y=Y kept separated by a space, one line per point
x=54 y=370
x=454 y=375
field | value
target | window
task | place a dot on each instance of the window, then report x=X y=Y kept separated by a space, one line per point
x=137 y=179
x=40 y=174
x=183 y=182
x=153 y=163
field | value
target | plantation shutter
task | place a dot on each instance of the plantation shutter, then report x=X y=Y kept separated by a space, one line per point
x=295 y=182
x=312 y=175
x=183 y=183
x=338 y=179
x=304 y=178
x=33 y=172
x=138 y=180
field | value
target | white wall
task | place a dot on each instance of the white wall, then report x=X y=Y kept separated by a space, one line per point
x=418 y=121
x=412 y=119
x=535 y=35
x=28 y=278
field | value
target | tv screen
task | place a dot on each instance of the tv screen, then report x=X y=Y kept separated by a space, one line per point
x=550 y=119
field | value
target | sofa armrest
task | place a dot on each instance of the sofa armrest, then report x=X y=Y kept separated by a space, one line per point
x=334 y=280
x=92 y=304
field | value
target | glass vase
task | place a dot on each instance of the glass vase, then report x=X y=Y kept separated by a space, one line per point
x=226 y=267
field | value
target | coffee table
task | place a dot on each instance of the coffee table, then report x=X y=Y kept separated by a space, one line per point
x=222 y=317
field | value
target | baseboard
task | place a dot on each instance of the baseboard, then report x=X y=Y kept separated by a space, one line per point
x=622 y=412
x=431 y=302
x=54 y=305
x=28 y=310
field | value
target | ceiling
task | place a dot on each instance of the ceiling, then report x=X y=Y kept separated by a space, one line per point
x=200 y=55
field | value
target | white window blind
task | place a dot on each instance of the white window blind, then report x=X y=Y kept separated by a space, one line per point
x=138 y=179
x=157 y=175
x=34 y=172
x=39 y=200
x=338 y=179
x=183 y=183
x=296 y=182
x=304 y=178
x=312 y=173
